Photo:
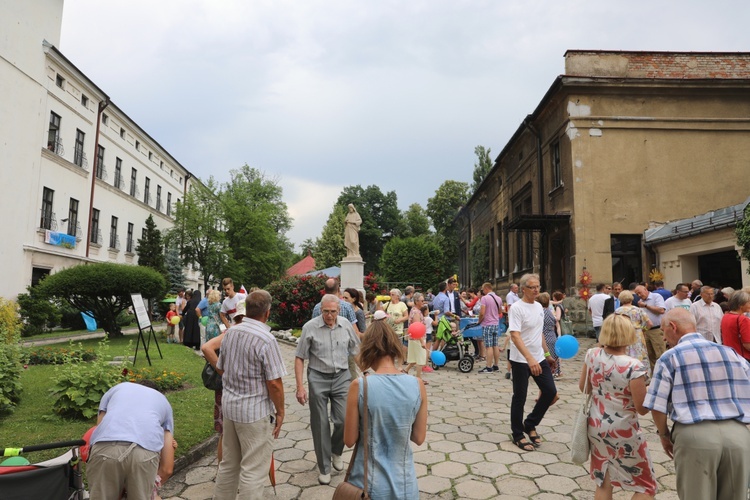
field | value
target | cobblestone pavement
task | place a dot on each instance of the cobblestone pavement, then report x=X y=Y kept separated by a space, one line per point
x=467 y=453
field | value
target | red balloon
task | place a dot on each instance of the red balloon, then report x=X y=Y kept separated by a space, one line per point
x=417 y=330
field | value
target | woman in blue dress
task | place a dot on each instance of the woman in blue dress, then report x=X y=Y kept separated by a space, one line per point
x=396 y=412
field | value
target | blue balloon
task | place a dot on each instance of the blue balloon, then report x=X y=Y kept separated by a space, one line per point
x=566 y=347
x=438 y=358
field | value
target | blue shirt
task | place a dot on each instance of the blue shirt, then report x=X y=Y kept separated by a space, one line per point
x=699 y=380
x=442 y=303
x=203 y=306
x=663 y=292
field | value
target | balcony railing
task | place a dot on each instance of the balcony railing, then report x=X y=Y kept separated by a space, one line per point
x=119 y=182
x=79 y=158
x=114 y=242
x=74 y=231
x=134 y=191
x=47 y=220
x=56 y=146
x=96 y=237
x=129 y=245
x=101 y=172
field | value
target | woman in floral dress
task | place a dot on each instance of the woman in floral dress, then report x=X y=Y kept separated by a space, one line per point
x=214 y=307
x=619 y=454
x=640 y=322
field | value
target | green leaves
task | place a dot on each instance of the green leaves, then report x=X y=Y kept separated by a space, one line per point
x=414 y=261
x=742 y=231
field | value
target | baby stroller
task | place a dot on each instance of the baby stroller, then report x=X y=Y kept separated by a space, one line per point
x=56 y=479
x=456 y=348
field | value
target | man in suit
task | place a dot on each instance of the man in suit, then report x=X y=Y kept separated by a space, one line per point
x=612 y=303
x=454 y=297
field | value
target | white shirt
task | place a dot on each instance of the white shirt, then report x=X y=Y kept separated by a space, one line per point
x=511 y=299
x=596 y=305
x=673 y=302
x=527 y=319
x=708 y=319
x=230 y=307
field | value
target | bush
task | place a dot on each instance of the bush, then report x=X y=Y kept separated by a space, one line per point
x=10 y=364
x=294 y=298
x=78 y=386
x=71 y=318
x=412 y=260
x=56 y=355
x=164 y=380
x=372 y=284
x=38 y=313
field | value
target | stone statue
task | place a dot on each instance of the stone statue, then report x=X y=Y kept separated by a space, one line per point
x=351 y=233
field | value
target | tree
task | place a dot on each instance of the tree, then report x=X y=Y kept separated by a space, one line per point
x=103 y=288
x=380 y=220
x=257 y=220
x=482 y=167
x=414 y=222
x=175 y=271
x=742 y=231
x=442 y=210
x=150 y=248
x=412 y=260
x=199 y=231
x=329 y=248
x=480 y=259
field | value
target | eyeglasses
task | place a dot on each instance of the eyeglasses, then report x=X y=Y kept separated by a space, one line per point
x=330 y=312
x=533 y=287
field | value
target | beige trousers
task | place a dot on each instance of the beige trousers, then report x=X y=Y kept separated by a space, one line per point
x=246 y=459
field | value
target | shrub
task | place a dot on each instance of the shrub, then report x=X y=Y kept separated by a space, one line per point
x=78 y=386
x=37 y=312
x=412 y=260
x=164 y=380
x=56 y=355
x=294 y=298
x=70 y=317
x=372 y=284
x=10 y=364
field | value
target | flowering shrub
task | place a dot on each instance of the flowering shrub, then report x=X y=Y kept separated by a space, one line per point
x=294 y=298
x=164 y=380
x=10 y=365
x=372 y=285
x=56 y=355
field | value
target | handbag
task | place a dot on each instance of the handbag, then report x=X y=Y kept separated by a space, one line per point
x=346 y=490
x=211 y=378
x=579 y=436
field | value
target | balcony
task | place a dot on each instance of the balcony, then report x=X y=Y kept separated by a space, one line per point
x=73 y=230
x=96 y=237
x=101 y=172
x=56 y=146
x=114 y=242
x=119 y=182
x=79 y=158
x=48 y=220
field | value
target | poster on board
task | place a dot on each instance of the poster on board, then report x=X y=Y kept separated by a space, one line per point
x=141 y=313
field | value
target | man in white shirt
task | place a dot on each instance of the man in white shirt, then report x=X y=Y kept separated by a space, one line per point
x=596 y=306
x=512 y=297
x=231 y=302
x=708 y=314
x=653 y=305
x=679 y=299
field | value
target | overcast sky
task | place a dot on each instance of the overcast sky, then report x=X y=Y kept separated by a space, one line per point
x=326 y=94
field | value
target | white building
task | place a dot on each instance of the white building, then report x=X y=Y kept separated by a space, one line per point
x=78 y=177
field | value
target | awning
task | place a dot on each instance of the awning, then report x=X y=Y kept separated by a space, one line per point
x=537 y=222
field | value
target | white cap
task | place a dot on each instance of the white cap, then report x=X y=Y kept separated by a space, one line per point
x=379 y=315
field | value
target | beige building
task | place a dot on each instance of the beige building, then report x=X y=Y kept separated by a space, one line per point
x=622 y=142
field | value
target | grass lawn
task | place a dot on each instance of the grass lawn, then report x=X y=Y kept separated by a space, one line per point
x=33 y=422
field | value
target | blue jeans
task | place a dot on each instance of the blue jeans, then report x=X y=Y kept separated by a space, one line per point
x=546 y=384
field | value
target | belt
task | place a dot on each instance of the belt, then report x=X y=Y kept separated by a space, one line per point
x=655 y=327
x=331 y=375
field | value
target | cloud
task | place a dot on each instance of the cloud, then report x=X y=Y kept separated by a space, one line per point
x=309 y=204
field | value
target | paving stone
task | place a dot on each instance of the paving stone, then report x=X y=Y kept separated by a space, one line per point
x=538 y=457
x=513 y=485
x=420 y=469
x=488 y=469
x=305 y=445
x=319 y=492
x=567 y=470
x=200 y=475
x=433 y=484
x=557 y=484
x=549 y=496
x=451 y=470
x=466 y=457
x=460 y=437
x=528 y=470
x=297 y=466
x=444 y=428
x=202 y=491
x=475 y=489
x=446 y=446
x=429 y=457
x=281 y=443
x=503 y=457
x=480 y=446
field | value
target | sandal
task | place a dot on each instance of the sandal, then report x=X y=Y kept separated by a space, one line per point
x=523 y=444
x=536 y=439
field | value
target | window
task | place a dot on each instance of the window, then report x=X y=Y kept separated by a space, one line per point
x=161 y=165
x=524 y=238
x=122 y=133
x=105 y=119
x=118 y=174
x=555 y=161
x=150 y=155
x=113 y=243
x=137 y=145
x=37 y=274
x=158 y=198
x=79 y=157
x=73 y=217
x=133 y=178
x=84 y=101
x=129 y=245
x=53 y=134
x=100 y=174
x=95 y=236
x=146 y=194
x=60 y=81
x=626 y=257
x=48 y=216
x=169 y=203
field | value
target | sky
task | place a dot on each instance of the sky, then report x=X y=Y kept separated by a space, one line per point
x=323 y=94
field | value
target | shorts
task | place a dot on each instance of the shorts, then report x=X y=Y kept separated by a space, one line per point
x=428 y=337
x=489 y=333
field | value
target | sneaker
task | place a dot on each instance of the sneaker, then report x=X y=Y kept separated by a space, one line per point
x=427 y=369
x=507 y=375
x=486 y=370
x=495 y=368
x=324 y=479
x=337 y=462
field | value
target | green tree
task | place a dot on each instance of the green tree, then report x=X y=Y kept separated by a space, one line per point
x=329 y=248
x=199 y=231
x=103 y=288
x=412 y=260
x=37 y=312
x=482 y=167
x=742 y=231
x=175 y=271
x=442 y=210
x=480 y=259
x=256 y=223
x=414 y=222
x=381 y=219
x=150 y=248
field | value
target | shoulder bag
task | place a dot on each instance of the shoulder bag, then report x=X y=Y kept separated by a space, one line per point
x=502 y=326
x=211 y=379
x=579 y=442
x=346 y=490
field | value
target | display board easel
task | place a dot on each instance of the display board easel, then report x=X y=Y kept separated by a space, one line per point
x=144 y=322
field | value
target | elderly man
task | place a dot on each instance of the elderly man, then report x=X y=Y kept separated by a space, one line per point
x=679 y=299
x=252 y=400
x=705 y=389
x=707 y=314
x=695 y=290
x=326 y=342
x=653 y=304
x=332 y=287
x=529 y=357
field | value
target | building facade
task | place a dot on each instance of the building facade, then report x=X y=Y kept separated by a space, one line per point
x=620 y=143
x=79 y=177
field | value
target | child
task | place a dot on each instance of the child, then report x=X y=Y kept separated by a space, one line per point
x=170 y=327
x=430 y=322
x=417 y=349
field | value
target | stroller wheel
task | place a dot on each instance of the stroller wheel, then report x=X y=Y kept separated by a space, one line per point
x=466 y=364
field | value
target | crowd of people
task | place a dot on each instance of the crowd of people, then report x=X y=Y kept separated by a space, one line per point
x=680 y=356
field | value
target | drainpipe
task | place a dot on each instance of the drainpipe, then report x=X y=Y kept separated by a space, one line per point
x=102 y=106
x=540 y=188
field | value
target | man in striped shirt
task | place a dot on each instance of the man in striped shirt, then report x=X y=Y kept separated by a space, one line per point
x=252 y=401
x=705 y=389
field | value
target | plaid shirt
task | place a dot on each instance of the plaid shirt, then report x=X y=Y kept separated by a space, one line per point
x=698 y=380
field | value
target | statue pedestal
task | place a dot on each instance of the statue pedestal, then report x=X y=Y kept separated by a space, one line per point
x=353 y=273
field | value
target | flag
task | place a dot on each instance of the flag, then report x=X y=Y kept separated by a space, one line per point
x=242 y=289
